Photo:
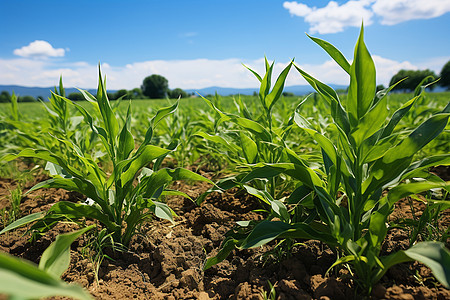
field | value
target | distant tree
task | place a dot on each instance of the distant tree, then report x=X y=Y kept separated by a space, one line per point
x=40 y=98
x=135 y=93
x=76 y=96
x=288 y=94
x=445 y=76
x=155 y=86
x=121 y=93
x=26 y=99
x=175 y=93
x=413 y=78
x=111 y=96
x=380 y=87
x=5 y=97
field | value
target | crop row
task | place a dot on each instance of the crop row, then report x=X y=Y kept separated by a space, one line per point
x=327 y=167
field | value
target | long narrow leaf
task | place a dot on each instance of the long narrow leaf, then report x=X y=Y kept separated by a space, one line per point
x=56 y=258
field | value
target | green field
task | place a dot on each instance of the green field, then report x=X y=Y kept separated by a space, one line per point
x=324 y=167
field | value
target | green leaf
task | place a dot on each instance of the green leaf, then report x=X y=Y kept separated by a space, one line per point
x=300 y=172
x=342 y=260
x=362 y=82
x=277 y=206
x=109 y=119
x=404 y=190
x=158 y=180
x=265 y=232
x=431 y=161
x=56 y=258
x=323 y=141
x=337 y=111
x=75 y=211
x=432 y=254
x=14 y=107
x=261 y=172
x=333 y=52
x=47 y=156
x=139 y=160
x=126 y=140
x=254 y=127
x=21 y=279
x=228 y=246
x=162 y=113
x=397 y=159
x=397 y=116
x=254 y=73
x=219 y=140
x=249 y=148
x=70 y=184
x=371 y=122
x=266 y=83
x=277 y=90
x=161 y=210
x=377 y=228
x=24 y=221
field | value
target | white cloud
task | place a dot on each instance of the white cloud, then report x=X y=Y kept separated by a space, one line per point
x=333 y=17
x=187 y=74
x=396 y=11
x=386 y=68
x=297 y=9
x=39 y=49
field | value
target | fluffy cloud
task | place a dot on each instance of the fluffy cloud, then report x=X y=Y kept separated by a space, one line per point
x=396 y=11
x=39 y=49
x=186 y=74
x=335 y=18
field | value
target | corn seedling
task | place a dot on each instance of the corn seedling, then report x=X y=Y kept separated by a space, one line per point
x=249 y=139
x=120 y=200
x=362 y=157
x=21 y=279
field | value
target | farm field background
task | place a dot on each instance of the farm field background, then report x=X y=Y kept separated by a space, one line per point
x=342 y=193
x=194 y=112
x=165 y=261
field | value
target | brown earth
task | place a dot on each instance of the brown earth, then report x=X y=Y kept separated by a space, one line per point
x=165 y=261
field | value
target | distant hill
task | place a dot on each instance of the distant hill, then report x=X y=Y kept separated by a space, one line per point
x=35 y=92
x=295 y=89
x=45 y=91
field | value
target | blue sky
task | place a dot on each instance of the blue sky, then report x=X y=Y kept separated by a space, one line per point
x=201 y=43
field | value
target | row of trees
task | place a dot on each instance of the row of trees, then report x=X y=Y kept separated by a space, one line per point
x=5 y=97
x=157 y=87
x=153 y=87
x=411 y=78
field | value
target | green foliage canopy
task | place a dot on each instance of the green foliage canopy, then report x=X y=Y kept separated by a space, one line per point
x=155 y=86
x=445 y=76
x=413 y=79
x=175 y=93
x=5 y=97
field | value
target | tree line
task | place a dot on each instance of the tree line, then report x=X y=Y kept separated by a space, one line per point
x=157 y=86
x=153 y=87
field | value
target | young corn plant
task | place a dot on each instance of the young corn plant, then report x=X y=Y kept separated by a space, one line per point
x=21 y=279
x=364 y=171
x=121 y=200
x=250 y=139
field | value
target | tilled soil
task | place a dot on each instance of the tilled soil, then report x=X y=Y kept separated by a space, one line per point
x=165 y=261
